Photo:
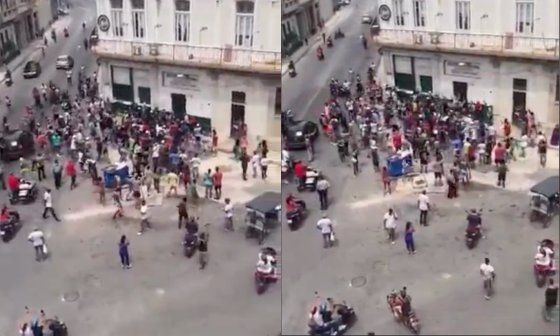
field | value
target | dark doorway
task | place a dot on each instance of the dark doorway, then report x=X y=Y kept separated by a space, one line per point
x=144 y=95
x=519 y=104
x=460 y=91
x=238 y=100
x=426 y=84
x=179 y=105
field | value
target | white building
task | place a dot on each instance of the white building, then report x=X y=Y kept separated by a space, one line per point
x=216 y=60
x=504 y=52
x=18 y=26
x=301 y=19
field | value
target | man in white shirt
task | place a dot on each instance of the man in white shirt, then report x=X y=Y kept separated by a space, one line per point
x=47 y=198
x=264 y=166
x=228 y=210
x=326 y=226
x=255 y=163
x=155 y=156
x=37 y=238
x=195 y=164
x=488 y=275
x=144 y=218
x=390 y=224
x=423 y=206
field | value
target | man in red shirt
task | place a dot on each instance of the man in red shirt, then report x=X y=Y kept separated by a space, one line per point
x=13 y=184
x=71 y=171
x=300 y=170
x=499 y=154
x=217 y=181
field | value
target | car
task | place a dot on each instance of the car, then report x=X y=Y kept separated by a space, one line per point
x=62 y=11
x=343 y=3
x=64 y=62
x=16 y=144
x=367 y=19
x=32 y=69
x=93 y=37
x=295 y=131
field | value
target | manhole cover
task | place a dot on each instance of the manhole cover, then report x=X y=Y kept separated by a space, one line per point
x=358 y=281
x=70 y=296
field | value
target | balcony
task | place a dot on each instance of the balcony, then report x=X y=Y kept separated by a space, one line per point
x=18 y=8
x=227 y=58
x=288 y=6
x=508 y=45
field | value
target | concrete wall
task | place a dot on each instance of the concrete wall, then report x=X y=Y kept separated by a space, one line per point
x=501 y=16
x=212 y=23
x=493 y=83
x=44 y=13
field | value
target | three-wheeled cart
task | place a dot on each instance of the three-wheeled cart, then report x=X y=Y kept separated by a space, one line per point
x=263 y=213
x=545 y=200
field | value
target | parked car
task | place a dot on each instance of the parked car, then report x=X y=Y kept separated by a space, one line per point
x=16 y=144
x=32 y=69
x=64 y=62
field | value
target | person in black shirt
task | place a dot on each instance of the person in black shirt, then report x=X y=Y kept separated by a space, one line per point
x=203 y=249
x=550 y=298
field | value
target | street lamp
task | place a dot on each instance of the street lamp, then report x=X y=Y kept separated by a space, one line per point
x=200 y=34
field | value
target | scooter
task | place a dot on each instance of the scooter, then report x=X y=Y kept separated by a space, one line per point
x=295 y=217
x=329 y=42
x=320 y=54
x=338 y=327
x=9 y=228
x=543 y=272
x=189 y=244
x=412 y=322
x=471 y=238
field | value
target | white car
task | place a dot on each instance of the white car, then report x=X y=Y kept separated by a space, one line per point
x=64 y=62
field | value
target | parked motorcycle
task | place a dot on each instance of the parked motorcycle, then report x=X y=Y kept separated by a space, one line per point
x=9 y=228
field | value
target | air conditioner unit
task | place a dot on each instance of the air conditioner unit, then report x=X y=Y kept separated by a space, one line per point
x=434 y=38
x=154 y=51
x=417 y=39
x=137 y=50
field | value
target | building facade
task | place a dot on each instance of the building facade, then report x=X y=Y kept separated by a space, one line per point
x=18 y=26
x=503 y=52
x=301 y=19
x=216 y=60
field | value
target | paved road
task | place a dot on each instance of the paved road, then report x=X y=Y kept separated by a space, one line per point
x=20 y=91
x=443 y=276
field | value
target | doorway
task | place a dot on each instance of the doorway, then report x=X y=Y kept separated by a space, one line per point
x=238 y=100
x=460 y=91
x=179 y=105
x=426 y=84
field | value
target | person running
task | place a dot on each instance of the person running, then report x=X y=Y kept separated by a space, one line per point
x=47 y=198
x=123 y=253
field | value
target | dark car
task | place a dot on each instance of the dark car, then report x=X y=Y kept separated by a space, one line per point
x=16 y=144
x=32 y=69
x=93 y=37
x=295 y=131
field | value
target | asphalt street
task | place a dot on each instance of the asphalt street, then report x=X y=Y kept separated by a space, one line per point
x=443 y=277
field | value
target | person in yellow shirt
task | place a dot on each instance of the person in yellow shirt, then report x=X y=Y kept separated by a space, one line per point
x=172 y=182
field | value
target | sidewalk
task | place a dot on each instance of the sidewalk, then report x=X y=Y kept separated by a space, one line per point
x=315 y=40
x=34 y=46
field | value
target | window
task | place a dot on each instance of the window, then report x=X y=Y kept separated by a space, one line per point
x=238 y=97
x=463 y=15
x=419 y=11
x=519 y=84
x=117 y=22
x=182 y=20
x=138 y=19
x=117 y=4
x=398 y=8
x=244 y=17
x=524 y=17
x=278 y=102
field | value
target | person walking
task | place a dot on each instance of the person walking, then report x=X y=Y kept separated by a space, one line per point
x=203 y=238
x=355 y=162
x=57 y=174
x=409 y=239
x=423 y=206
x=144 y=218
x=322 y=189
x=172 y=180
x=325 y=225
x=71 y=172
x=228 y=210
x=40 y=166
x=217 y=182
x=255 y=163
x=390 y=224
x=309 y=149
x=195 y=167
x=374 y=156
x=2 y=179
x=502 y=171
x=541 y=148
x=37 y=238
x=438 y=169
x=264 y=165
x=451 y=185
x=118 y=204
x=550 y=299
x=47 y=198
x=244 y=158
x=182 y=212
x=207 y=182
x=386 y=179
x=123 y=253
x=488 y=276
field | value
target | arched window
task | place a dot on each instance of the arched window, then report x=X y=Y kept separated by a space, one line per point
x=244 y=23
x=182 y=20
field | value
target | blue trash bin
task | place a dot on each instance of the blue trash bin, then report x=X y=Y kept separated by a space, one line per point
x=395 y=166
x=109 y=176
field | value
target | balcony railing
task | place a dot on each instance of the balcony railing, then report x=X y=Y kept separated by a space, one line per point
x=12 y=12
x=499 y=45
x=227 y=57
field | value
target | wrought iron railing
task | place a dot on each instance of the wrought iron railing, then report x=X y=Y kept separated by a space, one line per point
x=255 y=60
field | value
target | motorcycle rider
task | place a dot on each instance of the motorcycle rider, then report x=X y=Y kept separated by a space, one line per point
x=320 y=54
x=364 y=41
x=329 y=42
x=264 y=265
x=292 y=67
x=543 y=258
x=406 y=302
x=474 y=221
x=4 y=214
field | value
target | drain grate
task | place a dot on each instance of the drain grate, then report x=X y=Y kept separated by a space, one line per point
x=71 y=296
x=358 y=281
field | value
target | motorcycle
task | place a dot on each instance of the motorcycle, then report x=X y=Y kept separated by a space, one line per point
x=66 y=33
x=9 y=228
x=292 y=69
x=412 y=322
x=320 y=54
x=295 y=217
x=338 y=34
x=542 y=272
x=263 y=280
x=189 y=244
x=329 y=42
x=347 y=318
x=473 y=235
